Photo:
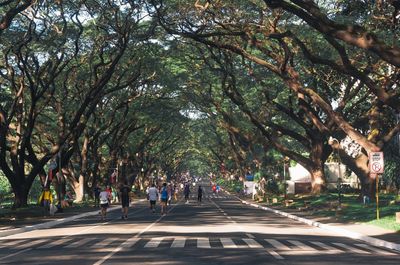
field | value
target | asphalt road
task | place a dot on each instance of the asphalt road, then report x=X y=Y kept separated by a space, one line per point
x=221 y=230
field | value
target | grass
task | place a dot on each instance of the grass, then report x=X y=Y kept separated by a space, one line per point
x=353 y=210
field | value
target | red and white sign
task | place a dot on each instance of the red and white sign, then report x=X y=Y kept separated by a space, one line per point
x=376 y=162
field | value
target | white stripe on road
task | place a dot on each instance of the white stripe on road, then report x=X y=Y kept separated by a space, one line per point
x=274 y=254
x=376 y=250
x=278 y=245
x=250 y=235
x=301 y=245
x=178 y=243
x=252 y=243
x=130 y=241
x=12 y=243
x=104 y=243
x=331 y=249
x=55 y=243
x=227 y=243
x=355 y=250
x=79 y=243
x=153 y=243
x=203 y=243
x=31 y=243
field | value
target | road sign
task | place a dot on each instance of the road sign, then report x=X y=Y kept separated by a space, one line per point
x=376 y=162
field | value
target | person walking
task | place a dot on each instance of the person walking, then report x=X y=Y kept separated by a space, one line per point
x=170 y=194
x=105 y=198
x=109 y=191
x=186 y=192
x=152 y=196
x=164 y=199
x=125 y=199
x=45 y=200
x=96 y=193
x=199 y=194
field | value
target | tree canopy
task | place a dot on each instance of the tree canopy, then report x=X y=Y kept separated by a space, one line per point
x=164 y=87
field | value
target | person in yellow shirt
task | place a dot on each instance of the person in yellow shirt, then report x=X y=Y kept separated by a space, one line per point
x=45 y=199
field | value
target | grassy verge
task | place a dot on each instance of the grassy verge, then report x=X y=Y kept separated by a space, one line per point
x=352 y=210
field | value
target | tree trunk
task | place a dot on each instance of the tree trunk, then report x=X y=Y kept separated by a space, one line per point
x=79 y=189
x=20 y=197
x=318 y=183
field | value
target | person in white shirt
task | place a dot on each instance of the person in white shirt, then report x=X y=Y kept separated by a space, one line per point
x=104 y=199
x=152 y=196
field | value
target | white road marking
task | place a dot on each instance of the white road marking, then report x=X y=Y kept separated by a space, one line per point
x=274 y=254
x=331 y=249
x=203 y=243
x=376 y=250
x=153 y=243
x=250 y=235
x=178 y=243
x=278 y=245
x=104 y=243
x=301 y=245
x=130 y=241
x=55 y=243
x=252 y=243
x=79 y=243
x=227 y=243
x=12 y=243
x=31 y=243
x=355 y=250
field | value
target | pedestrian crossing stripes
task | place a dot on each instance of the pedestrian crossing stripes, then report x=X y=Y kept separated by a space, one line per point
x=211 y=196
x=273 y=246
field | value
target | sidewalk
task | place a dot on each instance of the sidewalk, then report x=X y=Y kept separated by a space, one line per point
x=39 y=222
x=367 y=233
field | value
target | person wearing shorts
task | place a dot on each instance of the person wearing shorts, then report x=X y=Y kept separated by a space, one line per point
x=152 y=196
x=104 y=201
x=164 y=199
x=125 y=200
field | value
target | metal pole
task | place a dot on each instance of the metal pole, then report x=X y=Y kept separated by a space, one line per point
x=284 y=176
x=377 y=196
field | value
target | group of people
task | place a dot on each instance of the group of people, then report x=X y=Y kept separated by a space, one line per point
x=164 y=194
x=103 y=198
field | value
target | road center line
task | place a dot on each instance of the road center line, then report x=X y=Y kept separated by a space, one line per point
x=130 y=241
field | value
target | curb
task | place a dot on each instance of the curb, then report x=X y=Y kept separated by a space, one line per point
x=343 y=232
x=56 y=222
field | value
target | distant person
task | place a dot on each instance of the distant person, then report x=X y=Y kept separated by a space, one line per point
x=45 y=200
x=186 y=192
x=199 y=194
x=164 y=199
x=152 y=196
x=109 y=190
x=96 y=194
x=105 y=198
x=175 y=189
x=214 y=188
x=125 y=199
x=170 y=194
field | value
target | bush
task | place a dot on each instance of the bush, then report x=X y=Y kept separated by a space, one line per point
x=272 y=186
x=5 y=189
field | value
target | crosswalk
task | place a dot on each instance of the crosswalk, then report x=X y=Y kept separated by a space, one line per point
x=284 y=246
x=211 y=196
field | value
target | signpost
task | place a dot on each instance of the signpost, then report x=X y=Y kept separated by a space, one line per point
x=376 y=166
